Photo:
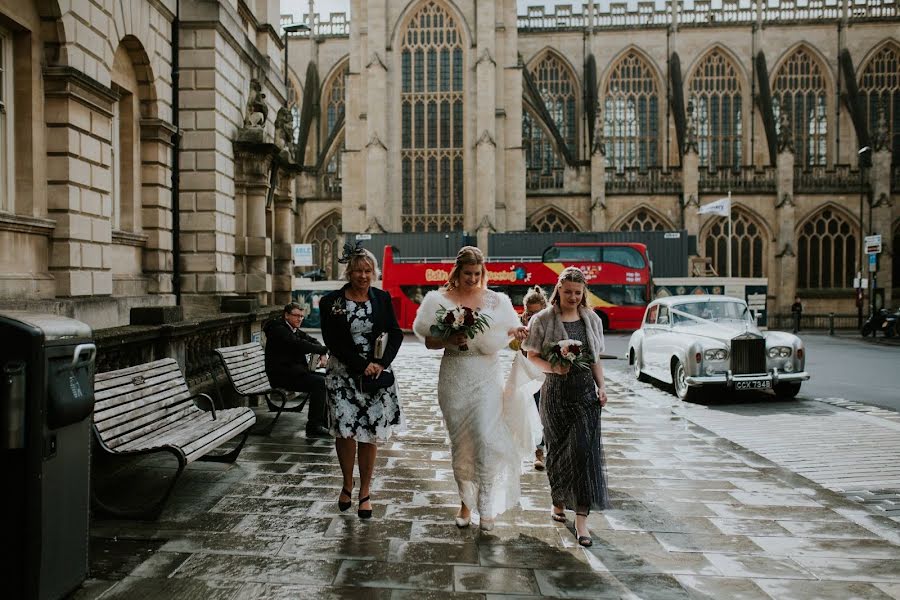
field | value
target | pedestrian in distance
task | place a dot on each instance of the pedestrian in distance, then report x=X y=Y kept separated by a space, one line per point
x=488 y=438
x=361 y=332
x=571 y=400
x=797 y=313
x=287 y=366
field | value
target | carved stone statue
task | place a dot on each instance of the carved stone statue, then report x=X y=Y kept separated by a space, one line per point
x=785 y=133
x=284 y=131
x=257 y=110
x=881 y=135
x=599 y=145
x=690 y=131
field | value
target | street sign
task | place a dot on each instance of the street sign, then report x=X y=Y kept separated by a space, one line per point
x=363 y=236
x=873 y=244
x=873 y=263
x=302 y=255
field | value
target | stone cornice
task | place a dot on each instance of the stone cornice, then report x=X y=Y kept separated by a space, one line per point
x=68 y=81
x=128 y=238
x=23 y=224
x=157 y=130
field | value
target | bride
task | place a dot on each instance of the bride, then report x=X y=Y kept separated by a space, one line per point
x=491 y=430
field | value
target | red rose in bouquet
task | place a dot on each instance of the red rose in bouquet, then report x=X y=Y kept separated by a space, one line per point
x=459 y=319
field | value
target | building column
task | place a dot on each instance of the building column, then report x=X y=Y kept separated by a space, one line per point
x=513 y=196
x=690 y=201
x=78 y=114
x=784 y=282
x=598 y=177
x=156 y=203
x=283 y=234
x=376 y=151
x=252 y=246
x=882 y=221
x=485 y=123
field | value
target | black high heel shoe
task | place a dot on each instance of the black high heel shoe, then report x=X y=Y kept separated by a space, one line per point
x=345 y=505
x=364 y=514
x=583 y=540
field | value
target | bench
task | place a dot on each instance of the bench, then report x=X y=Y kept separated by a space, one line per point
x=148 y=408
x=245 y=368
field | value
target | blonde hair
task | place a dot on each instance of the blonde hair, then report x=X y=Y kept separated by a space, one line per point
x=467 y=256
x=573 y=275
x=355 y=259
x=535 y=295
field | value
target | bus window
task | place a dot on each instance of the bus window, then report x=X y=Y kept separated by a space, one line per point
x=621 y=295
x=623 y=255
x=416 y=293
x=572 y=253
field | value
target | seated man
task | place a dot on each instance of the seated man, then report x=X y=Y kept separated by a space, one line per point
x=286 y=364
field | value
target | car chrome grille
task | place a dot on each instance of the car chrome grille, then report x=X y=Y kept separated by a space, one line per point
x=748 y=355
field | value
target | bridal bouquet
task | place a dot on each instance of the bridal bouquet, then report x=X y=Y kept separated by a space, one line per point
x=459 y=319
x=567 y=352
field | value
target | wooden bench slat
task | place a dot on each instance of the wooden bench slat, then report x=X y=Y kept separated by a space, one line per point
x=128 y=396
x=130 y=371
x=117 y=381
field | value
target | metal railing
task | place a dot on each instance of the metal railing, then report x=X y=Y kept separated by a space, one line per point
x=813 y=322
x=818 y=179
x=545 y=179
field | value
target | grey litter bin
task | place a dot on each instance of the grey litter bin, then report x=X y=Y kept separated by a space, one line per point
x=46 y=401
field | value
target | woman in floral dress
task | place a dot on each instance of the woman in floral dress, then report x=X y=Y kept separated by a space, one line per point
x=363 y=404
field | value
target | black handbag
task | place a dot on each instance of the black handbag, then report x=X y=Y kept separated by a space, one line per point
x=369 y=385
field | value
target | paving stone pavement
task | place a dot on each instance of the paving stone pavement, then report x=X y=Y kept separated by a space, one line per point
x=696 y=516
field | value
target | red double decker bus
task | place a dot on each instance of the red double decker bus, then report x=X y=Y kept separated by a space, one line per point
x=618 y=277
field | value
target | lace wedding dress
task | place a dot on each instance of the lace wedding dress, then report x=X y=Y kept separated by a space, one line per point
x=492 y=427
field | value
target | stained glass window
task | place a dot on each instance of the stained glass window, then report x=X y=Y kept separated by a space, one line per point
x=325 y=237
x=747 y=245
x=431 y=97
x=715 y=93
x=333 y=98
x=544 y=167
x=552 y=220
x=631 y=114
x=880 y=89
x=644 y=220
x=826 y=251
x=799 y=90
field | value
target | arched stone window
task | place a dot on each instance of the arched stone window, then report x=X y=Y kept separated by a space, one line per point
x=552 y=220
x=325 y=237
x=558 y=87
x=544 y=166
x=643 y=220
x=826 y=250
x=333 y=98
x=332 y=177
x=799 y=89
x=431 y=106
x=715 y=92
x=631 y=114
x=879 y=86
x=748 y=250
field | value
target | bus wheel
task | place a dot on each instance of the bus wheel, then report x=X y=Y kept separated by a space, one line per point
x=604 y=319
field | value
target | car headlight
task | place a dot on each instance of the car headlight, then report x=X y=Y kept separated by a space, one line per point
x=779 y=352
x=720 y=354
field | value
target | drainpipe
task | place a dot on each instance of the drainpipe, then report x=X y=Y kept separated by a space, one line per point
x=176 y=167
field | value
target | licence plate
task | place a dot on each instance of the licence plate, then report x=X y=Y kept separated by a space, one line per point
x=753 y=384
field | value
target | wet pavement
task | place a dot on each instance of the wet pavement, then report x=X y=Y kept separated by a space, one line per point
x=696 y=516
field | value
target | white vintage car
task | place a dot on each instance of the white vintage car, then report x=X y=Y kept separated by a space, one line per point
x=712 y=342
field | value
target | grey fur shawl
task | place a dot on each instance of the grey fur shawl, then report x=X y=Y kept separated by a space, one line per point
x=546 y=327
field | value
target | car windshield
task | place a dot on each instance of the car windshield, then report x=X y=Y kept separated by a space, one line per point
x=711 y=311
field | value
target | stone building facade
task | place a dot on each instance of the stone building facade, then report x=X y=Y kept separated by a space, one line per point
x=158 y=151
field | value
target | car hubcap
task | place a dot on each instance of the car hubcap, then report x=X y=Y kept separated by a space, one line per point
x=680 y=383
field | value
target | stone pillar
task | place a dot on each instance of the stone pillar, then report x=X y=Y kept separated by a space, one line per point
x=252 y=246
x=513 y=193
x=784 y=284
x=79 y=128
x=156 y=203
x=598 y=176
x=353 y=171
x=283 y=276
x=485 y=122
x=690 y=173
x=376 y=151
x=882 y=221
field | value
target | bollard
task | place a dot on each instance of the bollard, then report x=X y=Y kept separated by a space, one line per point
x=830 y=323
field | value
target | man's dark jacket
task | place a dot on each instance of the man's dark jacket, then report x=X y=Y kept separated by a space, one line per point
x=286 y=350
x=336 y=329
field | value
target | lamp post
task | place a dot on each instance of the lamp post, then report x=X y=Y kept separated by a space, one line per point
x=859 y=301
x=288 y=29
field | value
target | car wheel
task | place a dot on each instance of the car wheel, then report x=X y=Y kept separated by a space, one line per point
x=682 y=389
x=787 y=391
x=866 y=330
x=636 y=367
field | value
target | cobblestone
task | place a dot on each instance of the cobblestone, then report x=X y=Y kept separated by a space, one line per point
x=697 y=515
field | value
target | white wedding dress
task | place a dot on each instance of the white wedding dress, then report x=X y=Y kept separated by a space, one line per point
x=492 y=427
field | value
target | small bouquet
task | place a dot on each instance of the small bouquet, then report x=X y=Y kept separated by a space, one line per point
x=459 y=319
x=567 y=352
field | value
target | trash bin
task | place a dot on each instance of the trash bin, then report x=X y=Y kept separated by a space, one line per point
x=46 y=401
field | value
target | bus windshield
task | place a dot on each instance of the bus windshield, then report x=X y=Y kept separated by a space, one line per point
x=618 y=255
